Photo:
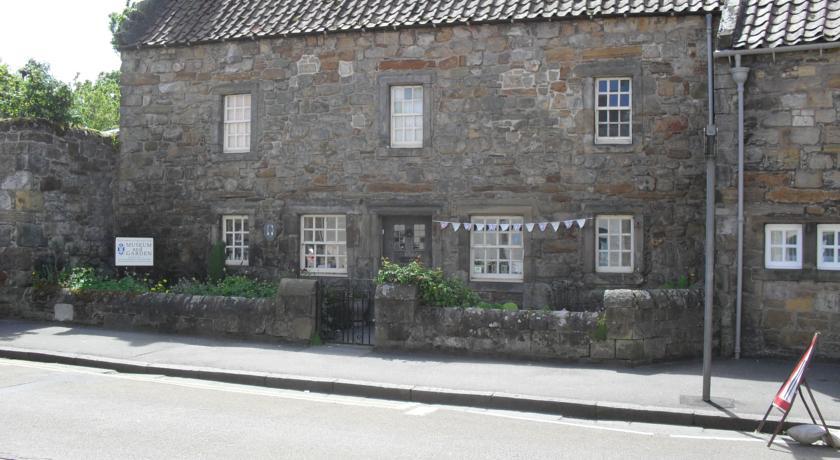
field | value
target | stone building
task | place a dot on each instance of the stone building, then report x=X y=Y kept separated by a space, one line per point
x=315 y=138
x=352 y=128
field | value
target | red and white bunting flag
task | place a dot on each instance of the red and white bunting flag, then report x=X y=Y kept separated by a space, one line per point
x=543 y=226
x=555 y=225
x=529 y=226
x=581 y=222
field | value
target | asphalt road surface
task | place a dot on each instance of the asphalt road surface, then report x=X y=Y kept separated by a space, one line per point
x=67 y=412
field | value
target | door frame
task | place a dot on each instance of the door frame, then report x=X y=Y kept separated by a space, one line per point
x=378 y=212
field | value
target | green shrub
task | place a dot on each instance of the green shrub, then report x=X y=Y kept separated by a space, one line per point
x=600 y=332
x=433 y=287
x=231 y=286
x=216 y=262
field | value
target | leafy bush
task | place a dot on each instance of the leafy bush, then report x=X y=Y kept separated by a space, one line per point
x=231 y=286
x=680 y=283
x=216 y=262
x=433 y=287
x=600 y=332
x=32 y=92
x=81 y=279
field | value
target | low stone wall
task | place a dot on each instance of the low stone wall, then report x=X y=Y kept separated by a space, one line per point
x=641 y=326
x=291 y=316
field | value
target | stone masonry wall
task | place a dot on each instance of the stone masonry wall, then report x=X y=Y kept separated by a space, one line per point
x=55 y=201
x=641 y=326
x=511 y=133
x=792 y=175
x=289 y=317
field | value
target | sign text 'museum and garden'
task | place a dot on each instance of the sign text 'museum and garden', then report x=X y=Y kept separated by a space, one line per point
x=134 y=252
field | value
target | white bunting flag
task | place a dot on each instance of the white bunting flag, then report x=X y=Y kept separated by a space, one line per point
x=492 y=227
x=443 y=225
x=517 y=227
x=529 y=226
x=542 y=226
x=504 y=227
x=555 y=225
x=479 y=227
x=456 y=226
x=568 y=223
x=467 y=227
x=581 y=222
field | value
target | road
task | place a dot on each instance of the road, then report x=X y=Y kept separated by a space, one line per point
x=67 y=412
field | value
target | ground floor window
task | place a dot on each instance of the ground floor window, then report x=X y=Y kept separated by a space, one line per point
x=497 y=249
x=828 y=246
x=614 y=245
x=324 y=244
x=783 y=246
x=235 y=234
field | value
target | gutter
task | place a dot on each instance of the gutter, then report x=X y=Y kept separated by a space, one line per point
x=740 y=75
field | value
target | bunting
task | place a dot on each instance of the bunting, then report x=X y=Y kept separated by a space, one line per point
x=528 y=226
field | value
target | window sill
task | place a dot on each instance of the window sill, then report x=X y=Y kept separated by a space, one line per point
x=310 y=274
x=497 y=280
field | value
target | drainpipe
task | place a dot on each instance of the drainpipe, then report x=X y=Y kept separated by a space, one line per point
x=740 y=74
x=708 y=299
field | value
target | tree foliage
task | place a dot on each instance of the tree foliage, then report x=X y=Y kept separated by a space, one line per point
x=97 y=103
x=33 y=93
x=116 y=20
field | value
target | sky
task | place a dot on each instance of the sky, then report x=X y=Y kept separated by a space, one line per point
x=71 y=36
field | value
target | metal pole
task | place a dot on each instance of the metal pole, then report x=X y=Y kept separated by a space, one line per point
x=709 y=277
x=740 y=74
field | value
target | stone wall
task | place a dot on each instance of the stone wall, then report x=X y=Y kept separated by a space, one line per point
x=55 y=202
x=641 y=326
x=510 y=133
x=289 y=317
x=792 y=141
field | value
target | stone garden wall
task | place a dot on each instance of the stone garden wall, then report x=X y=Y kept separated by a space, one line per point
x=291 y=316
x=792 y=176
x=55 y=202
x=641 y=326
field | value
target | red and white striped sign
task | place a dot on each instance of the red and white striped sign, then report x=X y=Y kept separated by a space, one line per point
x=784 y=398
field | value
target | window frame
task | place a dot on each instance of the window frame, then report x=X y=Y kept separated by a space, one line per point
x=225 y=121
x=615 y=140
x=768 y=246
x=392 y=116
x=303 y=242
x=246 y=242
x=632 y=249
x=498 y=277
x=822 y=265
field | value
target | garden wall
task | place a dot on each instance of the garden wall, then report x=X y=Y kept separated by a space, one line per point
x=641 y=326
x=291 y=316
x=55 y=202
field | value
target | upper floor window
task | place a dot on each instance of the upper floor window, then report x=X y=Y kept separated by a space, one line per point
x=828 y=246
x=614 y=246
x=407 y=116
x=324 y=244
x=237 y=123
x=613 y=111
x=497 y=249
x=235 y=233
x=783 y=246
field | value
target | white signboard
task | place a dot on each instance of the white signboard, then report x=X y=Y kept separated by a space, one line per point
x=134 y=252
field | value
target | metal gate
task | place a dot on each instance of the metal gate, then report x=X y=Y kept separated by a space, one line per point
x=345 y=309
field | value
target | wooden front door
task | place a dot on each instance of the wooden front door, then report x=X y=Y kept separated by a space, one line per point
x=405 y=238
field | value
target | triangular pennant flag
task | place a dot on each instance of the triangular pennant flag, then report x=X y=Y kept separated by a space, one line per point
x=543 y=226
x=456 y=226
x=517 y=227
x=555 y=225
x=568 y=223
x=479 y=227
x=492 y=227
x=529 y=226
x=504 y=227
x=581 y=222
x=467 y=227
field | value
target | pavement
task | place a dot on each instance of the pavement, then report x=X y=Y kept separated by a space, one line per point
x=667 y=393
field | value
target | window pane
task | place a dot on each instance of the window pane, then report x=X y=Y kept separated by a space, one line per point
x=614 y=259
x=791 y=237
x=828 y=255
x=625 y=226
x=625 y=100
x=602 y=259
x=602 y=243
x=625 y=131
x=625 y=259
x=791 y=255
x=602 y=86
x=613 y=85
x=602 y=100
x=776 y=237
x=776 y=254
x=828 y=238
x=625 y=85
